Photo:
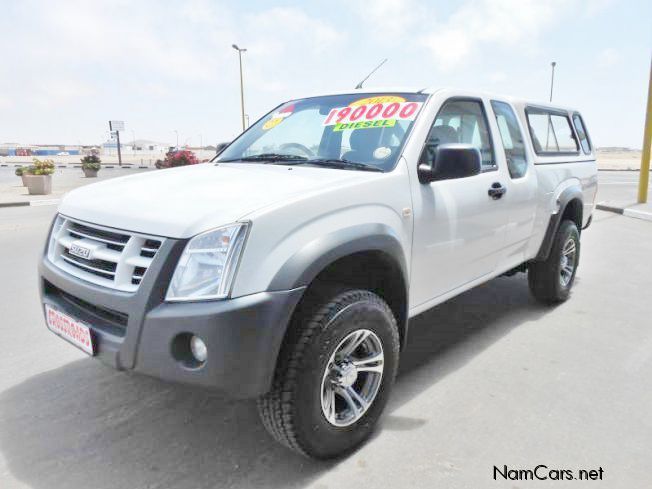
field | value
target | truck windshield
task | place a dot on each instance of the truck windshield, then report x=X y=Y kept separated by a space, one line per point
x=354 y=131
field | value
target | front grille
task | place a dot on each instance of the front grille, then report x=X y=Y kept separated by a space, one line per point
x=83 y=231
x=103 y=268
x=150 y=248
x=116 y=259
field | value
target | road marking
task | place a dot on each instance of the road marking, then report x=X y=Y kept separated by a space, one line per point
x=27 y=203
x=45 y=202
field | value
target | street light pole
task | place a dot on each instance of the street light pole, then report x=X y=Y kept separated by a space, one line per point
x=552 y=78
x=240 y=51
x=644 y=174
x=177 y=133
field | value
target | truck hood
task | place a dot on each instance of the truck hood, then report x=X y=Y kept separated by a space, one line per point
x=182 y=202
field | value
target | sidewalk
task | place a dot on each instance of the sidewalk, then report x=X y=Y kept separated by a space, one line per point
x=12 y=193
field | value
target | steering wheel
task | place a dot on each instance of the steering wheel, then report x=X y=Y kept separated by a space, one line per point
x=300 y=147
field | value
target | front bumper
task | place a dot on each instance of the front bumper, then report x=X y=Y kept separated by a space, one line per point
x=139 y=331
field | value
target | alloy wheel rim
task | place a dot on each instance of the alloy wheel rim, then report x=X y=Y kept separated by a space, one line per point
x=567 y=262
x=352 y=378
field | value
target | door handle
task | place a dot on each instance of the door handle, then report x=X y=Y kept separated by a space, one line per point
x=497 y=190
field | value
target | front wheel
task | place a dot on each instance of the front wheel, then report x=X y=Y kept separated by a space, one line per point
x=334 y=377
x=550 y=281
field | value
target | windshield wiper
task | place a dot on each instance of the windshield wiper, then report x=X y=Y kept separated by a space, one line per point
x=339 y=163
x=268 y=157
x=342 y=163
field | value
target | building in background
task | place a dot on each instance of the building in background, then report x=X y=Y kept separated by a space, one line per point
x=16 y=149
x=138 y=147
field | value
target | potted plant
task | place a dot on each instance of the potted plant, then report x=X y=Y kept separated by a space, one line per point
x=91 y=164
x=38 y=177
x=20 y=172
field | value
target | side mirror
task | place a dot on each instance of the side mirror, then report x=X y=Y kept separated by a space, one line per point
x=219 y=147
x=451 y=160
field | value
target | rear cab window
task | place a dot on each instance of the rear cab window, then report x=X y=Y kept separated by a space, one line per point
x=551 y=132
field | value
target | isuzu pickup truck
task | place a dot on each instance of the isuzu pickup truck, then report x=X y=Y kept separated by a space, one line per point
x=288 y=268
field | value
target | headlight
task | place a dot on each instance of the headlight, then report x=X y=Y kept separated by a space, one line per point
x=207 y=266
x=54 y=234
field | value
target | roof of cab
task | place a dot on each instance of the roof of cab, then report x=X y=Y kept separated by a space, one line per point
x=520 y=103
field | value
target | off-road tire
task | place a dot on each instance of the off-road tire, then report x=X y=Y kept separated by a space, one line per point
x=292 y=411
x=544 y=276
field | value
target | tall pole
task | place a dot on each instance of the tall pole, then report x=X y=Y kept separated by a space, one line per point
x=114 y=127
x=552 y=78
x=117 y=135
x=242 y=110
x=241 y=91
x=644 y=176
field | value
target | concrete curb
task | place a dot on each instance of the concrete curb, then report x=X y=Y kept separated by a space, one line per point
x=14 y=204
x=626 y=211
x=635 y=213
x=27 y=203
x=609 y=208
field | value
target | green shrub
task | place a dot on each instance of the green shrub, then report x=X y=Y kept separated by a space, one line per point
x=91 y=162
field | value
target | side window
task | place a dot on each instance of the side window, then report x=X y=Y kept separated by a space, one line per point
x=462 y=121
x=563 y=133
x=581 y=133
x=551 y=132
x=512 y=138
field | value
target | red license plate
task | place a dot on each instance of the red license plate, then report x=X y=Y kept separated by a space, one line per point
x=69 y=329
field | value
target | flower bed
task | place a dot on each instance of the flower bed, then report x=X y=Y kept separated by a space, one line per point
x=178 y=158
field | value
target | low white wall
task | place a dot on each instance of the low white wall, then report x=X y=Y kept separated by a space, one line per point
x=145 y=159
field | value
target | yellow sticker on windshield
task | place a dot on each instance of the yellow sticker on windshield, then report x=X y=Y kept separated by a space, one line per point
x=278 y=117
x=272 y=123
x=380 y=99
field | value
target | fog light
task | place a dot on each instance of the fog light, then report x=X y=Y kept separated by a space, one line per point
x=198 y=349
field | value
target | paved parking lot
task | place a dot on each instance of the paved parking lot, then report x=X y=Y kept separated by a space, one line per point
x=63 y=180
x=619 y=186
x=488 y=379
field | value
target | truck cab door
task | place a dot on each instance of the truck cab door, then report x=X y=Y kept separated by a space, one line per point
x=459 y=224
x=521 y=200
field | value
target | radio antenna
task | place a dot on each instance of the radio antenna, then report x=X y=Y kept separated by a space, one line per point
x=359 y=85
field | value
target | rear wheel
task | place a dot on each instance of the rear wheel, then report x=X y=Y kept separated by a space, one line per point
x=334 y=376
x=550 y=281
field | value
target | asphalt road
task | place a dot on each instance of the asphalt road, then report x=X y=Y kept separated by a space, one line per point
x=488 y=378
x=619 y=186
